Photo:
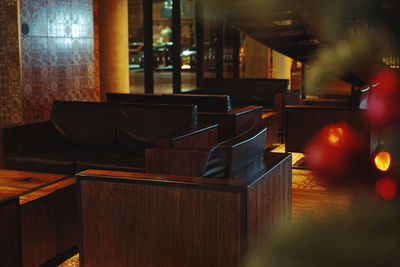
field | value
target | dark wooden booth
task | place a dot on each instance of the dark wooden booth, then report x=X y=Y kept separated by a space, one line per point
x=136 y=219
x=303 y=122
x=211 y=109
x=271 y=94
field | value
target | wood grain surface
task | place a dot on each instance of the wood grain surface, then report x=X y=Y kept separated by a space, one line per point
x=10 y=249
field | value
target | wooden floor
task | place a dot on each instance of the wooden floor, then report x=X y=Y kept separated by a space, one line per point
x=309 y=198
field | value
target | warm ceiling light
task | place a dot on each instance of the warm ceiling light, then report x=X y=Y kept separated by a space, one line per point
x=382 y=160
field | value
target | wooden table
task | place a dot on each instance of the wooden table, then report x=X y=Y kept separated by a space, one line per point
x=38 y=217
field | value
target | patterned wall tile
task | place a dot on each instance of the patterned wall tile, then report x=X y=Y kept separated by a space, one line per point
x=60 y=51
x=34 y=14
x=82 y=19
x=34 y=51
x=96 y=46
x=10 y=86
x=60 y=16
x=4 y=90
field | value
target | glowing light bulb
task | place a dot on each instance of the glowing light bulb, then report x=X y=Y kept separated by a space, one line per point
x=382 y=160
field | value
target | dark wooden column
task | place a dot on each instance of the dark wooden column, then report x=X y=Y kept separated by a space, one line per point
x=148 y=46
x=235 y=52
x=176 y=47
x=199 y=25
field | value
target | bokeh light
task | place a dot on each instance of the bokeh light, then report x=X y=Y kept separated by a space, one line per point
x=335 y=136
x=384 y=100
x=387 y=81
x=337 y=154
x=382 y=160
x=386 y=187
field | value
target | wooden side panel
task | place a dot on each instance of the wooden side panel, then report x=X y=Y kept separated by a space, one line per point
x=176 y=161
x=10 y=253
x=125 y=224
x=304 y=122
x=49 y=225
x=226 y=123
x=233 y=123
x=203 y=140
x=247 y=120
x=278 y=107
x=269 y=202
x=270 y=120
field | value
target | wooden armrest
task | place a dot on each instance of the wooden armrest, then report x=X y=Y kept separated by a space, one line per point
x=177 y=161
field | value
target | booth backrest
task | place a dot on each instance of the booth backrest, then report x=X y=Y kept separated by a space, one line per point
x=133 y=125
x=143 y=124
x=135 y=98
x=232 y=156
x=262 y=91
x=85 y=122
x=205 y=103
x=247 y=91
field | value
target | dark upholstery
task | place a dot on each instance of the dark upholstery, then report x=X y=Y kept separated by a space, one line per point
x=136 y=127
x=103 y=135
x=205 y=103
x=85 y=122
x=234 y=157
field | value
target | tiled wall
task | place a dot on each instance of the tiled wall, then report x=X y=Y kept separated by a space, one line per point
x=57 y=53
x=10 y=85
x=96 y=43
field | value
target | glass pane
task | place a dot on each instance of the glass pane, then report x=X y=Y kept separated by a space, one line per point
x=254 y=59
x=162 y=46
x=188 y=45
x=242 y=56
x=228 y=33
x=136 y=51
x=210 y=37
